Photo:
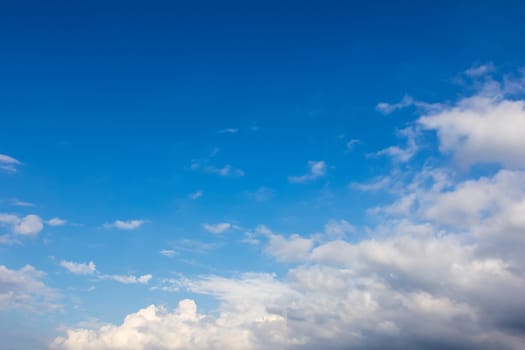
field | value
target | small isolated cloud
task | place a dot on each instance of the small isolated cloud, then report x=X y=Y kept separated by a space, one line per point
x=228 y=131
x=8 y=164
x=129 y=279
x=316 y=169
x=196 y=195
x=168 y=252
x=79 y=268
x=226 y=171
x=18 y=203
x=125 y=224
x=217 y=228
x=29 y=225
x=351 y=144
x=56 y=222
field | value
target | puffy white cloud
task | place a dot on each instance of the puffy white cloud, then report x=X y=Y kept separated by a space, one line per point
x=24 y=289
x=56 y=222
x=481 y=129
x=28 y=225
x=126 y=224
x=79 y=268
x=316 y=169
x=217 y=228
x=8 y=163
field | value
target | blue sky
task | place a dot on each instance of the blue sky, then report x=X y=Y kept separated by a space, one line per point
x=255 y=159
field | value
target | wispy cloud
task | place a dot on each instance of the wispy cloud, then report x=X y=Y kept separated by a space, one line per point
x=480 y=70
x=407 y=101
x=196 y=195
x=228 y=131
x=18 y=203
x=126 y=224
x=168 y=252
x=316 y=169
x=8 y=163
x=226 y=171
x=217 y=228
x=128 y=279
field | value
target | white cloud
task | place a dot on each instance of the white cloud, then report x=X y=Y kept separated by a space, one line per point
x=481 y=129
x=56 y=222
x=376 y=184
x=9 y=240
x=19 y=203
x=407 y=101
x=128 y=279
x=29 y=225
x=126 y=224
x=196 y=195
x=226 y=171
x=217 y=228
x=480 y=70
x=351 y=144
x=79 y=268
x=25 y=289
x=168 y=252
x=338 y=229
x=8 y=164
x=403 y=154
x=316 y=169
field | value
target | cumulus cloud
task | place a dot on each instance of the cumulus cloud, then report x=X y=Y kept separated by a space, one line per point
x=79 y=268
x=29 y=225
x=8 y=163
x=25 y=289
x=316 y=169
x=126 y=224
x=217 y=228
x=481 y=129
